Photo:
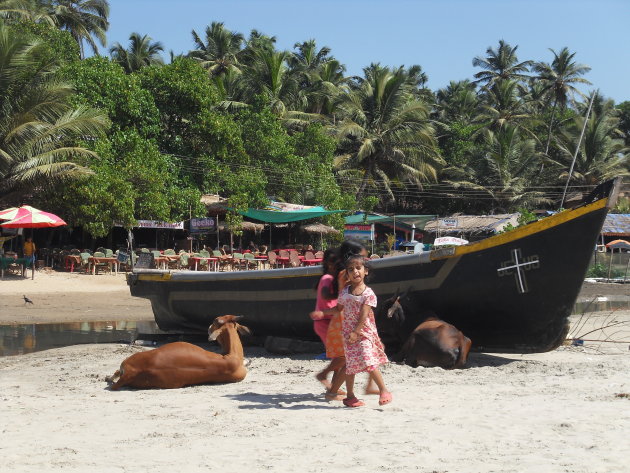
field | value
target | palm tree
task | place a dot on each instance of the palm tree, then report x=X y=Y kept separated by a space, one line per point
x=268 y=76
x=503 y=106
x=319 y=74
x=457 y=102
x=39 y=128
x=559 y=78
x=257 y=41
x=83 y=19
x=141 y=52
x=218 y=54
x=308 y=58
x=602 y=154
x=507 y=170
x=329 y=82
x=500 y=64
x=386 y=134
x=30 y=10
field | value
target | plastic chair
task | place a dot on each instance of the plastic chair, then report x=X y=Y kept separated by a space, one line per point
x=271 y=259
x=203 y=264
x=183 y=261
x=224 y=261
x=294 y=260
x=85 y=263
x=238 y=261
x=106 y=266
x=250 y=261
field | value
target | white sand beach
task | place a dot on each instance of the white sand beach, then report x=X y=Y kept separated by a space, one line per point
x=563 y=411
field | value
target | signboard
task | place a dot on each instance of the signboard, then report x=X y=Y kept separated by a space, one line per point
x=158 y=224
x=448 y=222
x=145 y=260
x=202 y=225
x=359 y=232
x=449 y=240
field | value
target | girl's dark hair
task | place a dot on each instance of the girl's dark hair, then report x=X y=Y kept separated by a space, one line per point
x=330 y=255
x=348 y=248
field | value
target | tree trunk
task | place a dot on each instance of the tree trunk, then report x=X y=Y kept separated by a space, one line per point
x=553 y=113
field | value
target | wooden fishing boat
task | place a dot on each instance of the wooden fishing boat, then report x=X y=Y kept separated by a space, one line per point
x=512 y=292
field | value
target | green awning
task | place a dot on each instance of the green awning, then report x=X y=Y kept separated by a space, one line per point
x=275 y=216
x=403 y=220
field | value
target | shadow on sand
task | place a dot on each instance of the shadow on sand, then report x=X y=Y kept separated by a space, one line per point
x=480 y=360
x=282 y=401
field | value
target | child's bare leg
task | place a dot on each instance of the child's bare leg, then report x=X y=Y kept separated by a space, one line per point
x=333 y=366
x=351 y=400
x=371 y=387
x=339 y=375
x=385 y=397
x=334 y=393
x=350 y=385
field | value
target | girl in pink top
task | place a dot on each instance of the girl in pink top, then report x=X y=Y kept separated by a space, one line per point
x=363 y=347
x=327 y=292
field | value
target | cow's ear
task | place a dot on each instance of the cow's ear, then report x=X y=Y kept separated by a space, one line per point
x=243 y=330
x=401 y=315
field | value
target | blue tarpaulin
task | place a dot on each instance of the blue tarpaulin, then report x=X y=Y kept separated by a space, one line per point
x=616 y=225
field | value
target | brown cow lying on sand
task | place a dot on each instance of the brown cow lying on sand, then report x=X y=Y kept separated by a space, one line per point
x=179 y=364
x=432 y=343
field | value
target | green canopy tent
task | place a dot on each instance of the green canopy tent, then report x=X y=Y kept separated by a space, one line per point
x=274 y=214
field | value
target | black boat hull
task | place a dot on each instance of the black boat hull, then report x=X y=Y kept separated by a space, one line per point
x=512 y=292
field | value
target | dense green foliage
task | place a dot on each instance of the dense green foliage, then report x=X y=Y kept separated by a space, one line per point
x=239 y=118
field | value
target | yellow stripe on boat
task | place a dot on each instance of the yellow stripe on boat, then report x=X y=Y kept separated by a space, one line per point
x=524 y=231
x=155 y=277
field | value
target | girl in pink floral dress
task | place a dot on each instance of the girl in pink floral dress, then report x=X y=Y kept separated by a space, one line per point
x=363 y=347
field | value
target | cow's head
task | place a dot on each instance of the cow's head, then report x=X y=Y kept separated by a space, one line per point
x=393 y=309
x=220 y=324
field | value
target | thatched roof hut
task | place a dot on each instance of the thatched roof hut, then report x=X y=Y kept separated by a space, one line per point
x=467 y=226
x=319 y=228
x=215 y=204
x=247 y=226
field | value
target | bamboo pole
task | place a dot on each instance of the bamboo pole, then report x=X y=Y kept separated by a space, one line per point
x=577 y=149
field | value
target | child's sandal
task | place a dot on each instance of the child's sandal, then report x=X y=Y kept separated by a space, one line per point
x=352 y=402
x=385 y=398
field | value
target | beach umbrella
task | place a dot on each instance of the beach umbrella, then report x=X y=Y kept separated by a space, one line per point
x=29 y=217
x=619 y=244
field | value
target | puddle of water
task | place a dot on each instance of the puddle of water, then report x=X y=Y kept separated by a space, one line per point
x=22 y=339
x=602 y=304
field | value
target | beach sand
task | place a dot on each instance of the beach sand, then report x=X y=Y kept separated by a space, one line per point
x=563 y=411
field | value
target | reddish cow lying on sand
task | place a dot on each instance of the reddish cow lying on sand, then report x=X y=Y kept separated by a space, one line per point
x=179 y=364
x=432 y=343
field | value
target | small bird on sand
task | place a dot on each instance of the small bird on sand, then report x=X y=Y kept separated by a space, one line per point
x=27 y=300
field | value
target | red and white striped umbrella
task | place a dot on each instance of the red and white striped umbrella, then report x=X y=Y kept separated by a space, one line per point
x=29 y=217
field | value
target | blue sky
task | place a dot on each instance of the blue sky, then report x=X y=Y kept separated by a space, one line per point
x=442 y=36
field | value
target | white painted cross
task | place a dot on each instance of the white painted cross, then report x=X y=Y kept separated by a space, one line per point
x=517 y=266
